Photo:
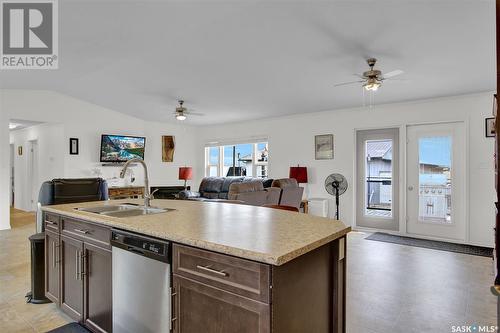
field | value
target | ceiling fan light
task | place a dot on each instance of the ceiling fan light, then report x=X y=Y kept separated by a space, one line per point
x=372 y=85
x=180 y=117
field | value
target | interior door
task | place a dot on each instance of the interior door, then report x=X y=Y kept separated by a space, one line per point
x=436 y=180
x=378 y=179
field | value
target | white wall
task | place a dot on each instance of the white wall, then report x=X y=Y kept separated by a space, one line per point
x=51 y=141
x=291 y=142
x=85 y=121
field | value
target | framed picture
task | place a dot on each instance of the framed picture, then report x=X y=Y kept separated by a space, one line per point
x=168 y=148
x=489 y=125
x=323 y=145
x=73 y=146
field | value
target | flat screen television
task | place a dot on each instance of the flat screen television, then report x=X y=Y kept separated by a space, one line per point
x=120 y=148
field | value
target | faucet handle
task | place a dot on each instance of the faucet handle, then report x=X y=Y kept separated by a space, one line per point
x=151 y=195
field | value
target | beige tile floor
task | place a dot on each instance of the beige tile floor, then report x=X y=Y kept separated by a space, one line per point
x=391 y=288
x=15 y=314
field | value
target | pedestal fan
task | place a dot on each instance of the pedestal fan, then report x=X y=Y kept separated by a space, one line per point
x=336 y=185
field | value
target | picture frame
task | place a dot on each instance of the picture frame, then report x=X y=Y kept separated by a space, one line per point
x=323 y=147
x=489 y=127
x=74 y=148
x=168 y=148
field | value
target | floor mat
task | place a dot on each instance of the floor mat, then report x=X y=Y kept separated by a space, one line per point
x=431 y=244
x=70 y=328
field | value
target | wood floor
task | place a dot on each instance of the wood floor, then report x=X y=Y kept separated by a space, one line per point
x=391 y=288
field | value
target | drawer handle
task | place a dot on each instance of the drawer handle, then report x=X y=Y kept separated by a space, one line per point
x=211 y=270
x=50 y=222
x=81 y=231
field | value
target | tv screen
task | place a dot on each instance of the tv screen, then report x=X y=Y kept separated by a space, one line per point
x=119 y=148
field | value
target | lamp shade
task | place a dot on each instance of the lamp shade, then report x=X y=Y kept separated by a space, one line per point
x=299 y=173
x=185 y=173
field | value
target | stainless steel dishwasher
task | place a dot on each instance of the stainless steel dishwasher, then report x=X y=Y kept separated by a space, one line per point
x=141 y=283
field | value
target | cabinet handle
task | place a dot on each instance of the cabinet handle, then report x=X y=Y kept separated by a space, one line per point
x=50 y=222
x=77 y=268
x=173 y=307
x=83 y=262
x=211 y=270
x=54 y=254
x=81 y=231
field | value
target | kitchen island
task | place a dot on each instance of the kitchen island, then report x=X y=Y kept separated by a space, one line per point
x=235 y=268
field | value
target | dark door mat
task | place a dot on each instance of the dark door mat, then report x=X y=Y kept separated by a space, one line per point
x=70 y=328
x=431 y=244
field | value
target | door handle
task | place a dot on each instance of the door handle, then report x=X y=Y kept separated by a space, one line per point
x=410 y=188
x=77 y=264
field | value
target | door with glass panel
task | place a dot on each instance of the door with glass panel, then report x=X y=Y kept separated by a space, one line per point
x=378 y=179
x=436 y=180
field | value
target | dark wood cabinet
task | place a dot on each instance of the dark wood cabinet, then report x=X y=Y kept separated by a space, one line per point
x=97 y=288
x=78 y=271
x=72 y=277
x=52 y=264
x=201 y=308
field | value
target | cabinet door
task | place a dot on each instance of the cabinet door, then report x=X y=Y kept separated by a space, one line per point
x=201 y=308
x=72 y=277
x=98 y=292
x=52 y=255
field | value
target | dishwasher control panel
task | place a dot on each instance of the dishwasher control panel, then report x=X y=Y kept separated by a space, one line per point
x=142 y=245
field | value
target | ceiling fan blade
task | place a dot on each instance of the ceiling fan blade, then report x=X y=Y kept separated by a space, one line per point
x=393 y=73
x=347 y=83
x=194 y=113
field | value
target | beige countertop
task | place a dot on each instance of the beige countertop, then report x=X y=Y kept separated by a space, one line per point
x=257 y=233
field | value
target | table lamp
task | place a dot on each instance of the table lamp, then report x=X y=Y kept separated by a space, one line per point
x=185 y=174
x=298 y=173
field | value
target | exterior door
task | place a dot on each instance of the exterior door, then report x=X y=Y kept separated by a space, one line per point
x=436 y=180
x=378 y=179
x=72 y=277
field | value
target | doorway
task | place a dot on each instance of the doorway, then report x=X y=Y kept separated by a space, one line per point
x=378 y=179
x=12 y=173
x=436 y=180
x=33 y=181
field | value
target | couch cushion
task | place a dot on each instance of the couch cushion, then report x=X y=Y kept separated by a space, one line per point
x=267 y=182
x=249 y=186
x=285 y=183
x=227 y=184
x=210 y=185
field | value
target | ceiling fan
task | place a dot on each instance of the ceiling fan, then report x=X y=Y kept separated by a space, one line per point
x=372 y=79
x=182 y=112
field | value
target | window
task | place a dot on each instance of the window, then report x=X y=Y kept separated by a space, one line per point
x=246 y=159
x=378 y=189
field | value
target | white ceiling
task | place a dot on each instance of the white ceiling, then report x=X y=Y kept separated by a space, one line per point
x=237 y=60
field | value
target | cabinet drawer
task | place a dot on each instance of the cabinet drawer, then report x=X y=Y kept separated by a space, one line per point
x=87 y=232
x=239 y=276
x=51 y=222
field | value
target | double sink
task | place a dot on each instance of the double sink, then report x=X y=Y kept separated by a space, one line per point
x=124 y=210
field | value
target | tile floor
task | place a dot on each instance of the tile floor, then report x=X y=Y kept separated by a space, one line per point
x=391 y=288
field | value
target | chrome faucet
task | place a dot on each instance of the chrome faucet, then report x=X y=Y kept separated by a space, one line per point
x=147 y=193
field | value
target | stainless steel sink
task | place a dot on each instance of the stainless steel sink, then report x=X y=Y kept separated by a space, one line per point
x=124 y=210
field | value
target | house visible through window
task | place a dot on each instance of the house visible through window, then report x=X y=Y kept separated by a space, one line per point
x=245 y=159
